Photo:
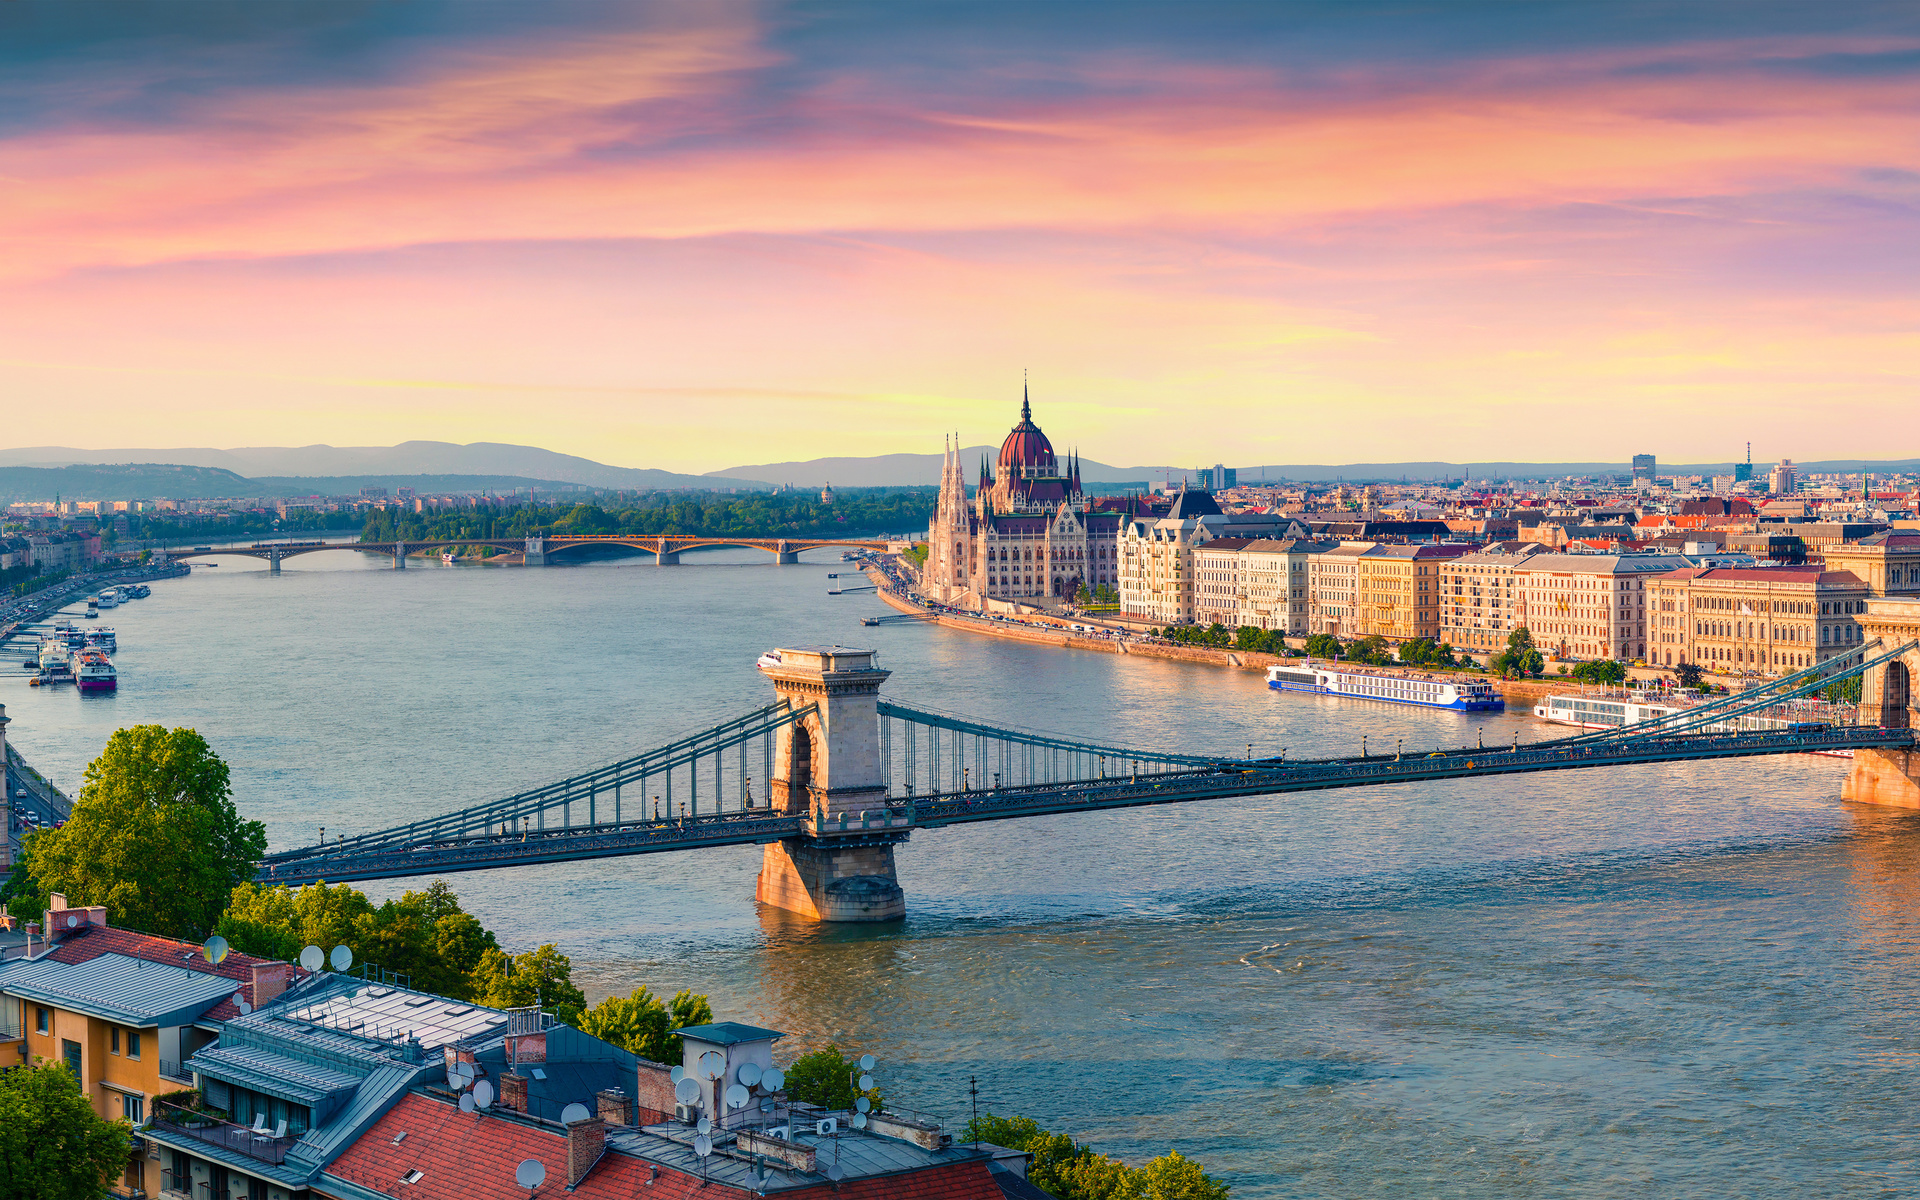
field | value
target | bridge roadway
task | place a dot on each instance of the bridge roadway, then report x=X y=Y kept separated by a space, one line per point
x=665 y=549
x=894 y=823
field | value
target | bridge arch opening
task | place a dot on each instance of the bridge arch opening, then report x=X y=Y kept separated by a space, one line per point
x=1896 y=695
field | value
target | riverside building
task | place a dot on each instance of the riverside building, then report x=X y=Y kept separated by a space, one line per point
x=1589 y=605
x=1761 y=619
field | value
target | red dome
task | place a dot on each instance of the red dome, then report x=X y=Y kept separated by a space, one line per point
x=1026 y=450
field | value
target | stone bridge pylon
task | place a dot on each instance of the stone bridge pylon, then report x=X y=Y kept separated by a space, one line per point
x=1887 y=699
x=828 y=767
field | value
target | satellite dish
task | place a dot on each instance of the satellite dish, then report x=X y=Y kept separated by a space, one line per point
x=834 y=1172
x=465 y=1068
x=216 y=949
x=866 y=1081
x=748 y=1073
x=866 y=1062
x=677 y=1074
x=483 y=1094
x=341 y=958
x=454 y=1080
x=574 y=1112
x=530 y=1174
x=245 y=1008
x=863 y=1104
x=736 y=1097
x=859 y=1119
x=73 y=922
x=237 y=997
x=702 y=1145
x=686 y=1091
x=713 y=1064
x=773 y=1079
x=466 y=1102
x=703 y=1126
x=313 y=958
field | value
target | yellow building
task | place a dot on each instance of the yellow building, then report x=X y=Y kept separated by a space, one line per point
x=1398 y=590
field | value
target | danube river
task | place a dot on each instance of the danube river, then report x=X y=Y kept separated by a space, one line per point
x=1662 y=980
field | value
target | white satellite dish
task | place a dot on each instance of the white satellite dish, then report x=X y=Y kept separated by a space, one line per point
x=341 y=958
x=863 y=1104
x=866 y=1082
x=574 y=1112
x=454 y=1079
x=216 y=949
x=737 y=1096
x=312 y=958
x=713 y=1064
x=702 y=1145
x=677 y=1074
x=860 y=1120
x=530 y=1174
x=773 y=1079
x=834 y=1172
x=703 y=1126
x=686 y=1091
x=465 y=1068
x=748 y=1073
x=866 y=1062
x=466 y=1102
x=244 y=1008
x=483 y=1094
x=237 y=997
x=73 y=922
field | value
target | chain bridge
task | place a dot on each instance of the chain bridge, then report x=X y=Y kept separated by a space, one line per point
x=845 y=776
x=536 y=551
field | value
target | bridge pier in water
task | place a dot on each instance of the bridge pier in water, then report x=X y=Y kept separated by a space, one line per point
x=783 y=554
x=536 y=552
x=1890 y=777
x=828 y=769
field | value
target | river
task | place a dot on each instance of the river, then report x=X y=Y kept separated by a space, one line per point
x=1659 y=980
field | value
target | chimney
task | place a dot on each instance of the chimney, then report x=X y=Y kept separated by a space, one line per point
x=269 y=980
x=615 y=1108
x=586 y=1142
x=513 y=1091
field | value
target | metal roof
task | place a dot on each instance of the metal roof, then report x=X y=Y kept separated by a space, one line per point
x=859 y=1155
x=727 y=1033
x=116 y=987
x=279 y=1075
x=382 y=1012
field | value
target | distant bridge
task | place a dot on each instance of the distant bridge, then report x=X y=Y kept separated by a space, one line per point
x=845 y=776
x=538 y=551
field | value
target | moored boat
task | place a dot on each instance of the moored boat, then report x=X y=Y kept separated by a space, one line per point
x=1425 y=691
x=95 y=672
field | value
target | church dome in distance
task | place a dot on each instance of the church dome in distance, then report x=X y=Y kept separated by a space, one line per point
x=1027 y=452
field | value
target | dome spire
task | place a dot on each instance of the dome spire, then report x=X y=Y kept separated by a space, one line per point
x=1026 y=407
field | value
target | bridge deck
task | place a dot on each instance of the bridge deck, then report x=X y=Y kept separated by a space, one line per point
x=924 y=812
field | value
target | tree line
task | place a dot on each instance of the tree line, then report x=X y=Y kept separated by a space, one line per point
x=755 y=515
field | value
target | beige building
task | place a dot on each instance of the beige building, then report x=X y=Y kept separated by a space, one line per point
x=1589 y=606
x=1275 y=589
x=1479 y=605
x=1333 y=585
x=1399 y=590
x=1156 y=556
x=1888 y=563
x=1217 y=586
x=1759 y=619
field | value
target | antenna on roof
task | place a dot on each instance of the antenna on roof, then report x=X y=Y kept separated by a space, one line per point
x=530 y=1174
x=312 y=958
x=216 y=949
x=341 y=958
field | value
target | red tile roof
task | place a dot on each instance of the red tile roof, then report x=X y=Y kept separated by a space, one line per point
x=463 y=1156
x=91 y=941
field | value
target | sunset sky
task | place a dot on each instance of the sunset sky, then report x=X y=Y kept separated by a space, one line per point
x=694 y=236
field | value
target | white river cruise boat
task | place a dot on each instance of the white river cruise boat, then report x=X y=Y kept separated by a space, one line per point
x=1321 y=679
x=1610 y=711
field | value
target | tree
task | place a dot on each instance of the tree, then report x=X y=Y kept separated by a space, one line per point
x=154 y=836
x=1688 y=675
x=543 y=976
x=641 y=1024
x=826 y=1077
x=424 y=935
x=1600 y=671
x=1520 y=659
x=1323 y=645
x=53 y=1146
x=1172 y=1177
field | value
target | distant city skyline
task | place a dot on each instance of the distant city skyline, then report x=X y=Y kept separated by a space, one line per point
x=698 y=236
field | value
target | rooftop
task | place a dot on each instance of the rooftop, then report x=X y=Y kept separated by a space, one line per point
x=117 y=987
x=728 y=1033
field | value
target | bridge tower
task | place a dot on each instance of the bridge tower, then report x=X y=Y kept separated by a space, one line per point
x=1888 y=699
x=827 y=766
x=536 y=552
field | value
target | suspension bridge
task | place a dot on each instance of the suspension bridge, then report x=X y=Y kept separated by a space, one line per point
x=830 y=777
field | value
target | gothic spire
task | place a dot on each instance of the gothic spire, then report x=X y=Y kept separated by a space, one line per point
x=1026 y=408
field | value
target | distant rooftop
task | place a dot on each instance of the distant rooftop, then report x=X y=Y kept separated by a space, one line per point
x=727 y=1033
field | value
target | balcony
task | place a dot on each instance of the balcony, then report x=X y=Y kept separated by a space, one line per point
x=203 y=1127
x=176 y=1071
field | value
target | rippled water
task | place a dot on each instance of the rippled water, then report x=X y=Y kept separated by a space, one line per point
x=1661 y=980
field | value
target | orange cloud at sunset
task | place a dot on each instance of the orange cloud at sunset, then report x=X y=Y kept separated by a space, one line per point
x=562 y=240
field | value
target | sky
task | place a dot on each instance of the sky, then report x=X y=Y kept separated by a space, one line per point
x=701 y=235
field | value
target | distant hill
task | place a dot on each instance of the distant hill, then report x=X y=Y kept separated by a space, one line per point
x=493 y=459
x=129 y=481
x=901 y=470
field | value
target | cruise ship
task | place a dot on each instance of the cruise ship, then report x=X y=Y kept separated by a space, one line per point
x=108 y=598
x=1460 y=695
x=56 y=661
x=1636 y=707
x=95 y=672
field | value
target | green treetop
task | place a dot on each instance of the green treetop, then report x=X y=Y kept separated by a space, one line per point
x=53 y=1146
x=641 y=1024
x=826 y=1077
x=1073 y=1171
x=154 y=837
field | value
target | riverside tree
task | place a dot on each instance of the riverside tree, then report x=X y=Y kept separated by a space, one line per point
x=642 y=1024
x=424 y=935
x=53 y=1146
x=1073 y=1171
x=154 y=837
x=827 y=1078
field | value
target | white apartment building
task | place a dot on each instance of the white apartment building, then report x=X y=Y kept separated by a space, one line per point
x=1156 y=556
x=1333 y=585
x=1275 y=591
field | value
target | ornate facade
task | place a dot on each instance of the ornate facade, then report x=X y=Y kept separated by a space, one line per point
x=1028 y=532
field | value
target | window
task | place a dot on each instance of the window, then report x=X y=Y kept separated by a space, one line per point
x=40 y=1015
x=133 y=1108
x=133 y=1043
x=413 y=1176
x=113 y=1040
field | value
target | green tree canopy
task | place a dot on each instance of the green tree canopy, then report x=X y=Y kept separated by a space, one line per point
x=543 y=976
x=1520 y=659
x=1601 y=671
x=424 y=935
x=53 y=1146
x=826 y=1077
x=1073 y=1171
x=642 y=1025
x=154 y=836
